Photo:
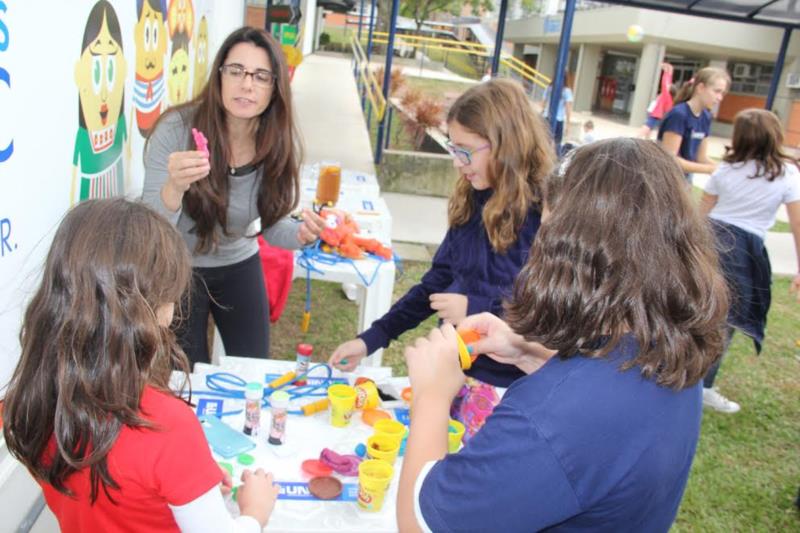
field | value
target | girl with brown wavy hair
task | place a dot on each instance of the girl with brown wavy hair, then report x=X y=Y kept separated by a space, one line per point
x=88 y=410
x=742 y=199
x=502 y=151
x=614 y=319
x=249 y=173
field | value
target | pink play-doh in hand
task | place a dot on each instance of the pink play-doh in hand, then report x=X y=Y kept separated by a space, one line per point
x=201 y=141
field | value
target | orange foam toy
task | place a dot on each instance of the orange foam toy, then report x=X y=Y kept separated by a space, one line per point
x=341 y=233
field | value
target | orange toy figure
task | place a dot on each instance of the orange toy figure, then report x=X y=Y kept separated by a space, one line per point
x=341 y=234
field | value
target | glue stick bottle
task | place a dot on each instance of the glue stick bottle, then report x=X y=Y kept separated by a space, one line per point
x=253 y=393
x=279 y=400
x=303 y=360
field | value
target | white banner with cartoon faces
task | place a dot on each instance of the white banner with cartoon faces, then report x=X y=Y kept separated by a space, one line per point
x=81 y=85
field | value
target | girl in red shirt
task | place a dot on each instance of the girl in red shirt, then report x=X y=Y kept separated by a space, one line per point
x=89 y=411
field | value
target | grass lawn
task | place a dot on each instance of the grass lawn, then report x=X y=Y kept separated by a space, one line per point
x=456 y=62
x=340 y=34
x=437 y=88
x=401 y=138
x=747 y=469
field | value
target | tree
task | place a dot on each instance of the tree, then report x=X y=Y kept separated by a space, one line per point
x=529 y=7
x=421 y=10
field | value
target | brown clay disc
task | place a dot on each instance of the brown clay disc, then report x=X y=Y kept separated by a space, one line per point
x=325 y=487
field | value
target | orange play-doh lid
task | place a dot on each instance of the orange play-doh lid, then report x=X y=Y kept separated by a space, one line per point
x=406 y=395
x=469 y=336
x=370 y=416
x=315 y=467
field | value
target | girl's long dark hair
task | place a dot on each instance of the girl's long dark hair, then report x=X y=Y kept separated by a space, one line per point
x=624 y=250
x=91 y=340
x=758 y=136
x=522 y=154
x=278 y=150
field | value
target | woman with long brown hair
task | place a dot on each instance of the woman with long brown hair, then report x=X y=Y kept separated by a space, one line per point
x=502 y=151
x=89 y=410
x=742 y=199
x=249 y=173
x=615 y=318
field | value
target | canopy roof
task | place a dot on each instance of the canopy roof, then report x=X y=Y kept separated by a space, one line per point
x=783 y=13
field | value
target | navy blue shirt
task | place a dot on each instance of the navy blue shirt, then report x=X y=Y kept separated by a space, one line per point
x=465 y=263
x=692 y=129
x=576 y=446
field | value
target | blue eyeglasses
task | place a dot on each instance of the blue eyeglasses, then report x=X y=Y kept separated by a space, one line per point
x=463 y=155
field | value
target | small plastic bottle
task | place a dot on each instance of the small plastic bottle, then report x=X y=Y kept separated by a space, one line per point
x=303 y=361
x=279 y=400
x=253 y=393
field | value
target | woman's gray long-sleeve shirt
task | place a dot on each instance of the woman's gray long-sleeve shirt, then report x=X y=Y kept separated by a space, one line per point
x=172 y=135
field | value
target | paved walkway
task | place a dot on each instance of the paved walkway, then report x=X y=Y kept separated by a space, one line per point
x=332 y=125
x=328 y=112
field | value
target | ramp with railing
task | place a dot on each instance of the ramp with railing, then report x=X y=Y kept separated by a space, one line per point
x=416 y=42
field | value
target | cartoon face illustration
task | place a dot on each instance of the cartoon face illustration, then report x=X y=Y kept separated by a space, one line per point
x=151 y=44
x=99 y=161
x=200 y=57
x=100 y=77
x=150 y=37
x=180 y=17
x=178 y=71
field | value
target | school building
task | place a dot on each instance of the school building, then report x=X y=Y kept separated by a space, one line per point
x=616 y=71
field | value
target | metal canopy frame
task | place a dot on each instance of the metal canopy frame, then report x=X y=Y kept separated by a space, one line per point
x=783 y=14
x=780 y=13
x=776 y=13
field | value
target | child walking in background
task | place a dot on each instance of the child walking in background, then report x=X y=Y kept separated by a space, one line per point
x=742 y=200
x=493 y=218
x=588 y=137
x=685 y=129
x=615 y=319
x=662 y=104
x=588 y=133
x=563 y=111
x=89 y=411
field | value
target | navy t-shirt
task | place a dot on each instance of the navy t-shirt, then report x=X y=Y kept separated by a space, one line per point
x=465 y=263
x=692 y=129
x=576 y=446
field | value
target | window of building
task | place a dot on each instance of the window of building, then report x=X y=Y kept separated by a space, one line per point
x=750 y=78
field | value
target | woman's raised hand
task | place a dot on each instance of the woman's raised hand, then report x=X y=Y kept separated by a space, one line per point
x=184 y=168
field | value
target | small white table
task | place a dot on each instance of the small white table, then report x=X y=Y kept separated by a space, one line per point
x=359 y=196
x=374 y=300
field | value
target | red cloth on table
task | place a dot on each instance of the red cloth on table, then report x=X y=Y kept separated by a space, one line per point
x=278 y=267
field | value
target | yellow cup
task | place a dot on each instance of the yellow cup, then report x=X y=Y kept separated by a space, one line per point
x=455 y=432
x=367 y=395
x=390 y=428
x=383 y=447
x=374 y=477
x=343 y=402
